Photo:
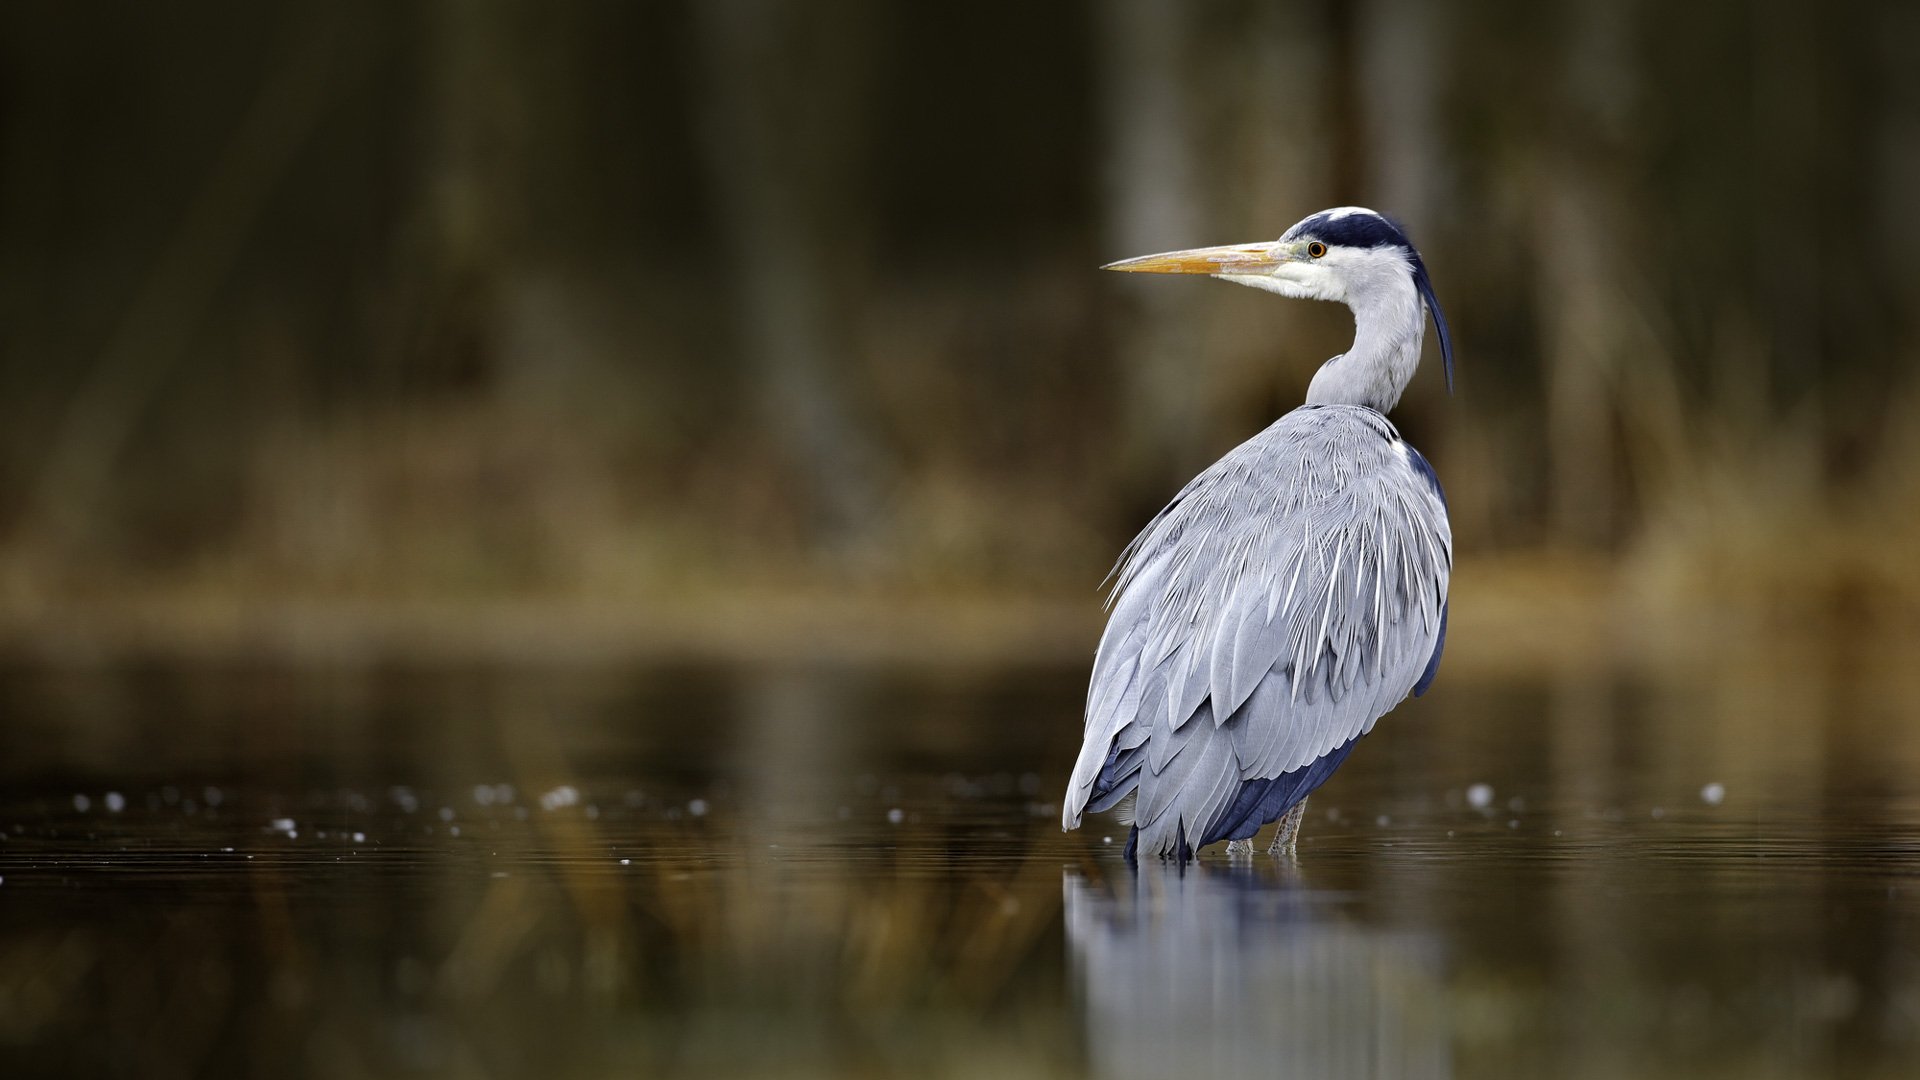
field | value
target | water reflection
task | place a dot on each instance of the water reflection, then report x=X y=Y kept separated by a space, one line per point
x=1246 y=969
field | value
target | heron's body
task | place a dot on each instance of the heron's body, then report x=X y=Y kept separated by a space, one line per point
x=1286 y=598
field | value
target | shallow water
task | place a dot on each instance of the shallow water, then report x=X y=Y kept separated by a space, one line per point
x=814 y=871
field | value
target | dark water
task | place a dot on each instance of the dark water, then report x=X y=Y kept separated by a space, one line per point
x=388 y=871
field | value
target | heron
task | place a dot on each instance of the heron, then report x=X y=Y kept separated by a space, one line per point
x=1292 y=593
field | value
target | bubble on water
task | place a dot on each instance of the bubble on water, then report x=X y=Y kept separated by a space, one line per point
x=503 y=793
x=1513 y=823
x=592 y=812
x=626 y=862
x=564 y=795
x=212 y=796
x=1517 y=804
x=283 y=824
x=483 y=794
x=1480 y=796
x=1658 y=813
x=1383 y=821
x=82 y=803
x=453 y=830
x=896 y=815
x=697 y=807
x=1713 y=794
x=116 y=802
x=404 y=798
x=1106 y=839
x=359 y=838
x=446 y=813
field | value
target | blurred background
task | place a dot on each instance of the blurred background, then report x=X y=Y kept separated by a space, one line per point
x=670 y=303
x=478 y=478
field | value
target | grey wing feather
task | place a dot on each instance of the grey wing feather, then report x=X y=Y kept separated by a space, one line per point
x=1289 y=596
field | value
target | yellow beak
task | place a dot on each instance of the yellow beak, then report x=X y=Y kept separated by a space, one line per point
x=1228 y=259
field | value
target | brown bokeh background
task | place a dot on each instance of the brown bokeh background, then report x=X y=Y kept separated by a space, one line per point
x=562 y=538
x=645 y=325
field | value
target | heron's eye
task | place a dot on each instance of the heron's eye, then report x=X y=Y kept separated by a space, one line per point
x=1316 y=249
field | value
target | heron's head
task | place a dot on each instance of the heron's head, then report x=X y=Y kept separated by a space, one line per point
x=1349 y=254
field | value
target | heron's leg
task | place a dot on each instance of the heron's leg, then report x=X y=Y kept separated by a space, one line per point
x=1286 y=841
x=1240 y=849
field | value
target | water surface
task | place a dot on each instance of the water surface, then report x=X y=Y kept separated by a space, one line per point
x=821 y=871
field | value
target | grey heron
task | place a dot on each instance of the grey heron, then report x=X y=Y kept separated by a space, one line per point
x=1292 y=593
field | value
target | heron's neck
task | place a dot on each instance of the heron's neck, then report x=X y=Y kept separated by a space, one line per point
x=1388 y=325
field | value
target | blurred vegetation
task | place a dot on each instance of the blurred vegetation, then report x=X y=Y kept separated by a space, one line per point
x=471 y=298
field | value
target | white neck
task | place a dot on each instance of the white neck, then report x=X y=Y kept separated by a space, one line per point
x=1389 y=323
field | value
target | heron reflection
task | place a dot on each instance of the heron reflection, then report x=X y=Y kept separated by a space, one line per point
x=1247 y=971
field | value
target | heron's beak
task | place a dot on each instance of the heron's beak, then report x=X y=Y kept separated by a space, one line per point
x=1229 y=259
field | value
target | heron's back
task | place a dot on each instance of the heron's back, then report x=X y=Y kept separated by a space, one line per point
x=1288 y=597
